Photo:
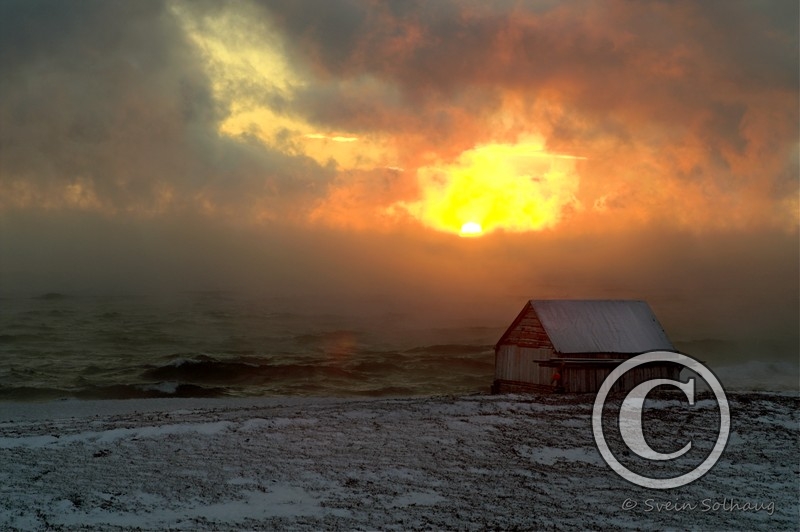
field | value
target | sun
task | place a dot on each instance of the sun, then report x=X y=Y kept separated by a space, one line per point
x=471 y=229
x=494 y=187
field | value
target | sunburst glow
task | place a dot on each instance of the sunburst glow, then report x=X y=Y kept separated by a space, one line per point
x=471 y=229
x=511 y=187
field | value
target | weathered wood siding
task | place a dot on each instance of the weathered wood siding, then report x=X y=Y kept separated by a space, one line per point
x=639 y=374
x=518 y=352
x=586 y=379
x=595 y=355
x=528 y=332
x=514 y=363
x=582 y=379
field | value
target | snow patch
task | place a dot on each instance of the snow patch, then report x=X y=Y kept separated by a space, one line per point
x=551 y=455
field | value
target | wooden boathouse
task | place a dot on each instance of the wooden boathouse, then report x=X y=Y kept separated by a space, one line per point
x=582 y=341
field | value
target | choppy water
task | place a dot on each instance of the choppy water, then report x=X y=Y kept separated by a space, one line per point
x=217 y=344
x=210 y=344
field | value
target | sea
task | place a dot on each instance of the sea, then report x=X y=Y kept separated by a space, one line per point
x=223 y=344
x=218 y=344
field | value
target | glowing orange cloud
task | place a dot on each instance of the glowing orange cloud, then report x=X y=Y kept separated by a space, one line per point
x=510 y=187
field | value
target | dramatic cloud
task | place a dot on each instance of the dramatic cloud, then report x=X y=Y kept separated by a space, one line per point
x=600 y=147
x=151 y=107
x=669 y=102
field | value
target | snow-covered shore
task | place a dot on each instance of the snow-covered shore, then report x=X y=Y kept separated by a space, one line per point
x=465 y=463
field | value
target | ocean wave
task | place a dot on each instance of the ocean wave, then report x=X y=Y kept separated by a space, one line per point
x=756 y=375
x=452 y=349
x=114 y=391
x=383 y=391
x=207 y=369
x=51 y=296
x=17 y=338
x=144 y=391
x=326 y=337
x=32 y=393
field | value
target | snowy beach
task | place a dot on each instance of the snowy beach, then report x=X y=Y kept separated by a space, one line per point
x=263 y=265
x=471 y=462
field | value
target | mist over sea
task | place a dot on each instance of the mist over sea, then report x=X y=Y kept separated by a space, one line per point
x=218 y=344
x=205 y=344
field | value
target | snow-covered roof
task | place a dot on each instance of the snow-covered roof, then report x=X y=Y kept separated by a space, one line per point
x=601 y=326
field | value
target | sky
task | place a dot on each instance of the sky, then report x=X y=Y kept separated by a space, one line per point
x=462 y=156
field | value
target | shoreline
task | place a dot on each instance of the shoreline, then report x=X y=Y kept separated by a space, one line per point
x=438 y=462
x=68 y=407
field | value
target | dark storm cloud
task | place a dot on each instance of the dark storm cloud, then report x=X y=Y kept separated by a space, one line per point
x=647 y=61
x=112 y=96
x=448 y=45
x=78 y=75
x=334 y=27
